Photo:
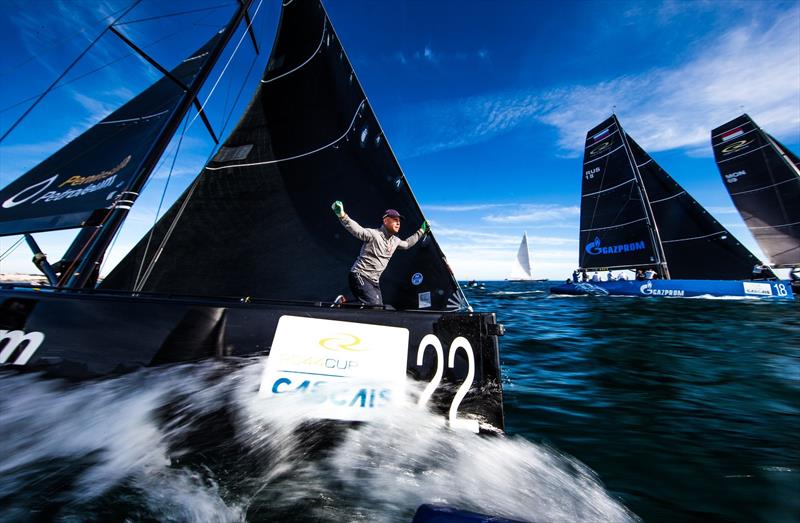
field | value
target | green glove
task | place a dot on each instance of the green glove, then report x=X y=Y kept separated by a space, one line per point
x=338 y=208
x=425 y=227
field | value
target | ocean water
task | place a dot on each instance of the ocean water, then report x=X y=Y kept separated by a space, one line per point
x=617 y=409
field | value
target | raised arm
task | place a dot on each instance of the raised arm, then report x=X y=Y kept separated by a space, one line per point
x=414 y=238
x=351 y=225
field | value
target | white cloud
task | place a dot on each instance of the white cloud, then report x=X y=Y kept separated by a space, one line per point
x=536 y=213
x=464 y=207
x=751 y=68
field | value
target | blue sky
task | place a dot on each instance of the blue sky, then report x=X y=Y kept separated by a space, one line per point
x=486 y=104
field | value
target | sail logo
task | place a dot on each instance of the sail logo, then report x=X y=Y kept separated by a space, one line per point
x=343 y=342
x=594 y=247
x=736 y=146
x=734 y=176
x=600 y=148
x=416 y=278
x=23 y=345
x=83 y=180
x=648 y=290
x=105 y=178
x=34 y=190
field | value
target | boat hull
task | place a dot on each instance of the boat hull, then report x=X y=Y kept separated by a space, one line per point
x=780 y=290
x=90 y=335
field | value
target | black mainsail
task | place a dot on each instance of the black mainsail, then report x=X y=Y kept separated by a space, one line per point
x=257 y=220
x=634 y=214
x=763 y=178
x=617 y=230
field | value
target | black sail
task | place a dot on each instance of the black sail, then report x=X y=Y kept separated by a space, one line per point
x=257 y=221
x=75 y=186
x=615 y=230
x=763 y=179
x=696 y=246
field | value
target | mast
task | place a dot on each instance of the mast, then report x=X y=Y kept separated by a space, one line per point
x=655 y=238
x=80 y=272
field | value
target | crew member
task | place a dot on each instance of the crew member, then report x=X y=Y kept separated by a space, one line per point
x=378 y=248
x=649 y=274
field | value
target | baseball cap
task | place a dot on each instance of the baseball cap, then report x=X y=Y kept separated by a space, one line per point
x=393 y=214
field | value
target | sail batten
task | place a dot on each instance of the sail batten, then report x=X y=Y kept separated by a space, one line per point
x=763 y=180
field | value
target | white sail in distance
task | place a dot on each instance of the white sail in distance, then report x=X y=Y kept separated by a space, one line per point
x=522 y=264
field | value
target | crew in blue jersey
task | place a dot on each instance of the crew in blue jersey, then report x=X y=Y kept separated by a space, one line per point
x=378 y=248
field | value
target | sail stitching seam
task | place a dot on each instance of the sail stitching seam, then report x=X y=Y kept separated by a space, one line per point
x=316 y=51
x=773 y=226
x=765 y=187
x=667 y=198
x=601 y=157
x=137 y=119
x=694 y=237
x=278 y=160
x=609 y=189
x=613 y=226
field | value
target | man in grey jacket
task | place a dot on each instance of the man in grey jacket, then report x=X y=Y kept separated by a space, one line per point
x=378 y=248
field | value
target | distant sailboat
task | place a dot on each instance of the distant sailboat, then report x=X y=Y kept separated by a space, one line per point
x=636 y=216
x=763 y=178
x=521 y=270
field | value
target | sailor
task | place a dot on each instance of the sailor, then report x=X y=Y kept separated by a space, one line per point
x=649 y=274
x=609 y=276
x=378 y=248
x=575 y=275
x=639 y=274
x=584 y=276
x=595 y=277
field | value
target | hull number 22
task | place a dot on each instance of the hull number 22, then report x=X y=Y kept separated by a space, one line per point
x=462 y=343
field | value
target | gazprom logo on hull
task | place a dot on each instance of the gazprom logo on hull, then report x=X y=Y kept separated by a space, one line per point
x=648 y=290
x=595 y=248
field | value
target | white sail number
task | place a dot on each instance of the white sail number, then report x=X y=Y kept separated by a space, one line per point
x=780 y=289
x=10 y=341
x=430 y=340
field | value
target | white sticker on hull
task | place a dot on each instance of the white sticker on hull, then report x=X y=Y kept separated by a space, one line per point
x=759 y=289
x=349 y=371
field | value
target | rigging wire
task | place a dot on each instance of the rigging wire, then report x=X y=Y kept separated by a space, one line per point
x=161 y=201
x=11 y=249
x=224 y=69
x=69 y=68
x=121 y=58
x=139 y=285
x=57 y=44
x=180 y=13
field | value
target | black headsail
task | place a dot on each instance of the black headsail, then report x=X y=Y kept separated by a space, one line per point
x=616 y=227
x=257 y=221
x=92 y=181
x=696 y=246
x=763 y=179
